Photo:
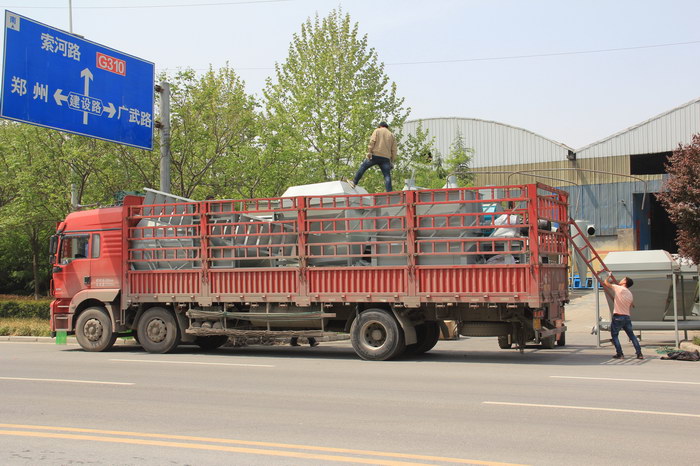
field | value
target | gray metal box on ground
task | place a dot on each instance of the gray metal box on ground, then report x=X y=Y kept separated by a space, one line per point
x=653 y=287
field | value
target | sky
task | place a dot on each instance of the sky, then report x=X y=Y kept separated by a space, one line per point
x=574 y=71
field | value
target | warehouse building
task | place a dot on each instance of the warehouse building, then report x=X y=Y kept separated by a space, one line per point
x=611 y=182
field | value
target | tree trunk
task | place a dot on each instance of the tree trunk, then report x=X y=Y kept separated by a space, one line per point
x=36 y=251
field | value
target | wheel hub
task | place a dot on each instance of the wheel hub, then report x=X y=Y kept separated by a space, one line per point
x=93 y=329
x=374 y=334
x=156 y=330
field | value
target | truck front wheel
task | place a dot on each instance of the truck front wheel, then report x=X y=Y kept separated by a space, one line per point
x=158 y=331
x=94 y=330
x=376 y=336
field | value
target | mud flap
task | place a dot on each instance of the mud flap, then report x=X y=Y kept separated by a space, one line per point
x=184 y=323
x=409 y=331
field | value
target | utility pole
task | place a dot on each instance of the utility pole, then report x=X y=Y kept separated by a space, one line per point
x=164 y=125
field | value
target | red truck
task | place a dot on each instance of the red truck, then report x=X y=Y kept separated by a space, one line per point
x=386 y=268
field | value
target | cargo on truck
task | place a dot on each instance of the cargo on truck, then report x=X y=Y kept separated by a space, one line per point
x=387 y=268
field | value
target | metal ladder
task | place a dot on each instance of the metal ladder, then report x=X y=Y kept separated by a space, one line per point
x=581 y=251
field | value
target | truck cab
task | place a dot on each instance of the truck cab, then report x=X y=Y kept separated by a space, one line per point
x=86 y=254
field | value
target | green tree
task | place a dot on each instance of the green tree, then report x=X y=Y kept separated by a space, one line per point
x=35 y=176
x=329 y=95
x=458 y=160
x=213 y=135
x=427 y=167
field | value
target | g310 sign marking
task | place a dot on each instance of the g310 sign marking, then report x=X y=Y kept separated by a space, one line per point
x=115 y=65
x=57 y=80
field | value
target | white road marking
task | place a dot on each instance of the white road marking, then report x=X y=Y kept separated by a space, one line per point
x=624 y=380
x=153 y=361
x=95 y=382
x=592 y=408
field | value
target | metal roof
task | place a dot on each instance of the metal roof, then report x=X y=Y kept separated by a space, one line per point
x=497 y=144
x=661 y=133
x=494 y=143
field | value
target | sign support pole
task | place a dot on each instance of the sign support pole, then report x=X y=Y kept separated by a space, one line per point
x=164 y=89
x=70 y=16
x=74 y=203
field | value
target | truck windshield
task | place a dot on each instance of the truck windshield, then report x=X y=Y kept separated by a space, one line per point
x=74 y=247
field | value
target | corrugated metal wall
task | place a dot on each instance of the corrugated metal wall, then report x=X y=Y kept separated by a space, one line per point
x=494 y=143
x=610 y=206
x=568 y=172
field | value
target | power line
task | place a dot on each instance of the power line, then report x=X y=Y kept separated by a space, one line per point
x=538 y=55
x=507 y=57
x=124 y=7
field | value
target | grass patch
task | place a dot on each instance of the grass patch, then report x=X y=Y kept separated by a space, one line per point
x=696 y=341
x=24 y=327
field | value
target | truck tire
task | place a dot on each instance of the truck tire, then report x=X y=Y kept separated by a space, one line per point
x=211 y=343
x=93 y=330
x=562 y=339
x=504 y=342
x=158 y=331
x=376 y=336
x=428 y=334
x=548 y=342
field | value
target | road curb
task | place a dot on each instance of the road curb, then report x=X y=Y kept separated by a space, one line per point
x=69 y=340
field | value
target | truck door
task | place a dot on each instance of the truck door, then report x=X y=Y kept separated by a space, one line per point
x=72 y=270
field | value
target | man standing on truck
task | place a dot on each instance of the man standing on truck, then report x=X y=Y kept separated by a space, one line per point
x=381 y=151
x=623 y=303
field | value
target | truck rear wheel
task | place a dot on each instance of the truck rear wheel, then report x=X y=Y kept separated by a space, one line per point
x=562 y=339
x=377 y=336
x=427 y=334
x=548 y=342
x=212 y=342
x=94 y=330
x=158 y=331
x=505 y=342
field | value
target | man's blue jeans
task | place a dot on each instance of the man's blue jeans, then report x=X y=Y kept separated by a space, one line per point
x=384 y=165
x=623 y=323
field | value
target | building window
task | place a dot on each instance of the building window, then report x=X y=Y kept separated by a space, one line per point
x=649 y=164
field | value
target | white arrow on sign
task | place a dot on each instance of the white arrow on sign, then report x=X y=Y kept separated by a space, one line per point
x=110 y=109
x=59 y=97
x=87 y=75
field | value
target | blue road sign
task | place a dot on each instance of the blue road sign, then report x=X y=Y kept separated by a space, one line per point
x=54 y=79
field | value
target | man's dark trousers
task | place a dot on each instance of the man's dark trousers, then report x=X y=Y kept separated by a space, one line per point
x=384 y=164
x=621 y=322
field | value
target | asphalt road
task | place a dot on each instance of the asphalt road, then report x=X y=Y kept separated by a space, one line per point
x=465 y=402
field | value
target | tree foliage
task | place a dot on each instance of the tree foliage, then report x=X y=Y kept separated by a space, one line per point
x=681 y=197
x=214 y=125
x=329 y=95
x=428 y=168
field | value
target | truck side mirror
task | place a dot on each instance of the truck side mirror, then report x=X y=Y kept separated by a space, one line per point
x=53 y=247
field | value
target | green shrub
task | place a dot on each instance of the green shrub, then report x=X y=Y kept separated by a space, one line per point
x=25 y=327
x=25 y=309
x=696 y=341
